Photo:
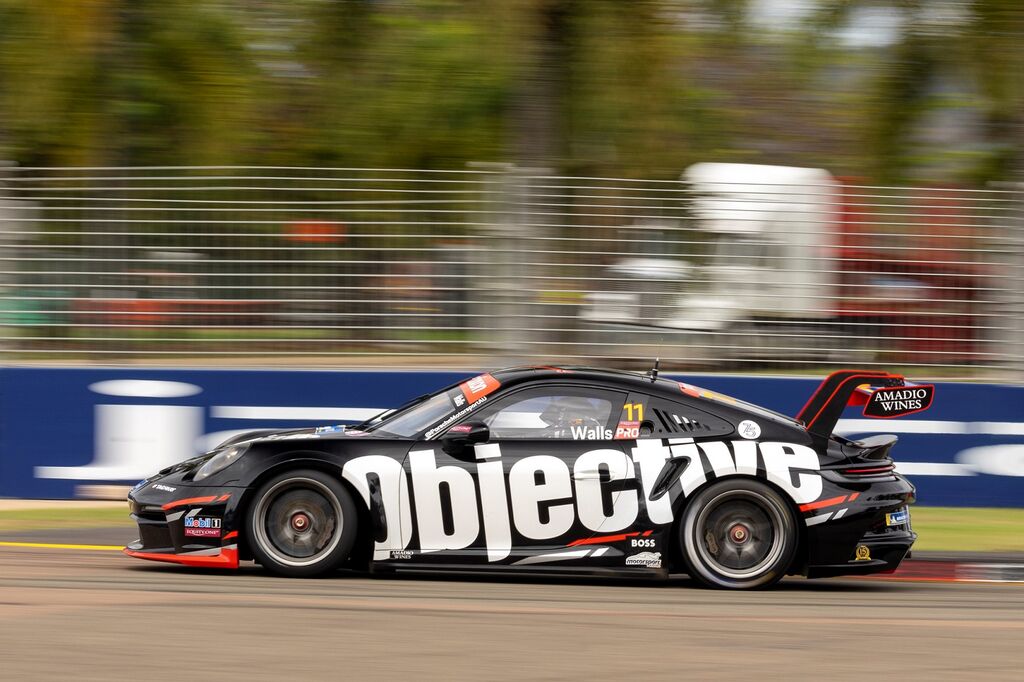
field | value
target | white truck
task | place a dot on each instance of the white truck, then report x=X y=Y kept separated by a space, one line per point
x=778 y=270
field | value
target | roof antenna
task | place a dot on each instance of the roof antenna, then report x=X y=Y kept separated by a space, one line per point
x=654 y=371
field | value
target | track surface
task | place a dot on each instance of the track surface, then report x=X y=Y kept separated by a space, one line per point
x=99 y=615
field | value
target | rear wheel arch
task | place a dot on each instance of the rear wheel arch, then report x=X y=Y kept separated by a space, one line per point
x=677 y=561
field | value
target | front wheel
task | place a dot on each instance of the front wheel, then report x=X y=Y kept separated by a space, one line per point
x=301 y=524
x=738 y=534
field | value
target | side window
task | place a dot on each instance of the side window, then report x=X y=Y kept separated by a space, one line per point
x=557 y=412
x=672 y=418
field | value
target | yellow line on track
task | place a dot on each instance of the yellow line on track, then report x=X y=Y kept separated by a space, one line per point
x=51 y=545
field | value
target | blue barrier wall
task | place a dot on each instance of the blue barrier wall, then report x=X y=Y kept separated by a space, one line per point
x=62 y=428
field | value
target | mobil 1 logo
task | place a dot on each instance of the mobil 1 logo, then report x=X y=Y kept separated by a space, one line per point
x=896 y=401
x=202 y=526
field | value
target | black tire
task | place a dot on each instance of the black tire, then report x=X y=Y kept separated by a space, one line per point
x=738 y=534
x=301 y=524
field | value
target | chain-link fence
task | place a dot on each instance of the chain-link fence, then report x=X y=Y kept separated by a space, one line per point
x=728 y=268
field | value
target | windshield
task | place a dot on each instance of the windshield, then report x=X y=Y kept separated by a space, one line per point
x=417 y=415
x=746 y=251
x=416 y=418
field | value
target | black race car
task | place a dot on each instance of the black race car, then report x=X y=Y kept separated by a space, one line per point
x=553 y=469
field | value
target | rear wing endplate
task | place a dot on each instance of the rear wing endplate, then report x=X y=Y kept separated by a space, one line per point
x=883 y=396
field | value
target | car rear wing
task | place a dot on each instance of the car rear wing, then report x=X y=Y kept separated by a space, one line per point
x=882 y=394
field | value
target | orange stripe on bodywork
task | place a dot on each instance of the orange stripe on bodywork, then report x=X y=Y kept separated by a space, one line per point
x=602 y=539
x=196 y=500
x=854 y=496
x=823 y=503
x=228 y=558
x=230 y=536
x=189 y=500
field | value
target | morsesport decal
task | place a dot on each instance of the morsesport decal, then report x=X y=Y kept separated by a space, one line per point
x=542 y=497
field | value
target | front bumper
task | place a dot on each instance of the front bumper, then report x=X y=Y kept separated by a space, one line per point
x=193 y=526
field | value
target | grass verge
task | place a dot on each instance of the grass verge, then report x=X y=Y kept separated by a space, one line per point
x=963 y=529
x=21 y=520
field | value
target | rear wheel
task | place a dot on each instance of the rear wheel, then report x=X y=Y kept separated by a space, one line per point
x=738 y=534
x=302 y=524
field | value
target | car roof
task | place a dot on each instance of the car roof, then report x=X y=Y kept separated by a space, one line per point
x=638 y=381
x=616 y=377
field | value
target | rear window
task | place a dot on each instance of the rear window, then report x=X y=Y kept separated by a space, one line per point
x=714 y=396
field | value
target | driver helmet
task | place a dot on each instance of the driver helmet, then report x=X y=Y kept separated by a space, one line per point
x=564 y=412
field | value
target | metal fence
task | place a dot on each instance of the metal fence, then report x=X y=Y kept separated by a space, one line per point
x=728 y=268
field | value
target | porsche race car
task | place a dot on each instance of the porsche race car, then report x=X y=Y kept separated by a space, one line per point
x=553 y=470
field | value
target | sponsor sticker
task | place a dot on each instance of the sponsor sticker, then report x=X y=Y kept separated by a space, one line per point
x=582 y=432
x=897 y=401
x=750 y=430
x=202 y=526
x=401 y=554
x=165 y=488
x=460 y=428
x=627 y=430
x=448 y=421
x=508 y=490
x=478 y=387
x=337 y=428
x=897 y=518
x=645 y=559
x=863 y=553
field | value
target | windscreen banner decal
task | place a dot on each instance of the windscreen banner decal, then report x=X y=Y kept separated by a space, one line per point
x=451 y=419
x=897 y=401
x=478 y=387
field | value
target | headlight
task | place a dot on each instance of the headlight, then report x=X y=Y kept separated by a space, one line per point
x=220 y=461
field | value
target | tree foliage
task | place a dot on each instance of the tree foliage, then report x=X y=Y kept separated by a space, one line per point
x=585 y=86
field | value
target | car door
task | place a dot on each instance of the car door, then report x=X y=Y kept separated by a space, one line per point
x=547 y=478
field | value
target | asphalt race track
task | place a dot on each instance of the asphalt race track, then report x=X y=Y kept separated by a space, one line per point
x=95 y=614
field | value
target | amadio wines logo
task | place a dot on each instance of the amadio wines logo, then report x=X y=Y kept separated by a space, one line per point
x=897 y=401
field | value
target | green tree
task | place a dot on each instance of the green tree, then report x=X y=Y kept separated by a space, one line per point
x=959 y=55
x=418 y=85
x=93 y=82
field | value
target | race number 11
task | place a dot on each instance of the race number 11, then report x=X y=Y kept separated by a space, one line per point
x=639 y=407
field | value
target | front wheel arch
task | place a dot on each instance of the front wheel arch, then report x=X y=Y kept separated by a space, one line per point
x=362 y=551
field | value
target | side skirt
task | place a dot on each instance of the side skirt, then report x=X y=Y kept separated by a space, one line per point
x=627 y=572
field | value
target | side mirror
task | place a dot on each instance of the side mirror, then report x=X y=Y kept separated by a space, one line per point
x=460 y=436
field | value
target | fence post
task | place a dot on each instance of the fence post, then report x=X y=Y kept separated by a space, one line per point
x=8 y=223
x=1015 y=315
x=506 y=294
x=1008 y=312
